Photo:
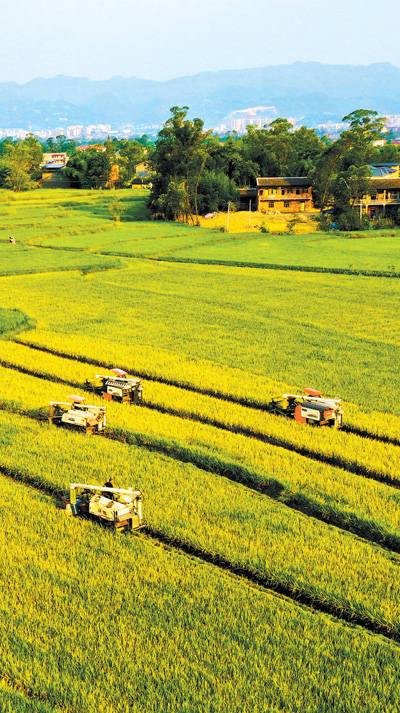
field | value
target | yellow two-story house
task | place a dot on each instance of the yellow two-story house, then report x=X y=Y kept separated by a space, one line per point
x=383 y=197
x=291 y=194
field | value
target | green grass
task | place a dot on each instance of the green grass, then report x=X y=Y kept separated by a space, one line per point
x=22 y=259
x=371 y=251
x=12 y=321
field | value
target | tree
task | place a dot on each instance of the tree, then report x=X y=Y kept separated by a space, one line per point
x=130 y=154
x=357 y=142
x=342 y=174
x=116 y=209
x=347 y=190
x=227 y=157
x=178 y=160
x=88 y=169
x=21 y=161
x=215 y=191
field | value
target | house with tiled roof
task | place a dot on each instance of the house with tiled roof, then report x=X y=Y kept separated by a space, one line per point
x=383 y=197
x=284 y=194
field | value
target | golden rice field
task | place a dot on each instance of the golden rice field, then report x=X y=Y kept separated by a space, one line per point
x=266 y=576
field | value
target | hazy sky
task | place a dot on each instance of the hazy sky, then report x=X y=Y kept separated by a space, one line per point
x=160 y=39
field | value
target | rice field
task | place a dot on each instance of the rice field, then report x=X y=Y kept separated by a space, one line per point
x=266 y=577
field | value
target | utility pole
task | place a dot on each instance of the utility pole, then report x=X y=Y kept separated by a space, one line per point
x=227 y=217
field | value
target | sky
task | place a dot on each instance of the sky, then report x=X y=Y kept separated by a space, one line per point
x=162 y=39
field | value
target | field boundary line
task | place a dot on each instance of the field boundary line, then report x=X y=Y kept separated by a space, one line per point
x=29 y=693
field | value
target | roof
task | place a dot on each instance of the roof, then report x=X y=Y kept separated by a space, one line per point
x=248 y=192
x=385 y=183
x=286 y=181
x=381 y=170
x=54 y=166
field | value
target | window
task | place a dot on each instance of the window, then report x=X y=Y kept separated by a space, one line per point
x=283 y=191
x=271 y=204
x=286 y=204
x=261 y=192
x=298 y=191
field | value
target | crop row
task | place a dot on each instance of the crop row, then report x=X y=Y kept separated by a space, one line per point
x=139 y=611
x=276 y=266
x=199 y=376
x=211 y=513
x=334 y=495
x=359 y=455
x=337 y=496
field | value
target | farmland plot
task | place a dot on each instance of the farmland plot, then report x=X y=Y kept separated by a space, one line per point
x=248 y=504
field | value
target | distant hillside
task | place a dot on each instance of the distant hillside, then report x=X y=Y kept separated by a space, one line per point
x=314 y=91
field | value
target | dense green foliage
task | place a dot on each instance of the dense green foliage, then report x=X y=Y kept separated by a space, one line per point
x=20 y=164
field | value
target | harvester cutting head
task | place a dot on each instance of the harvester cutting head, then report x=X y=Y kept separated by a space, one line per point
x=313 y=408
x=74 y=413
x=121 y=507
x=117 y=386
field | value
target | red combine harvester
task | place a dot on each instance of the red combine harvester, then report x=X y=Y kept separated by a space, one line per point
x=311 y=407
x=117 y=387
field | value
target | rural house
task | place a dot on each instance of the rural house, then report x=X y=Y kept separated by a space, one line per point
x=383 y=197
x=286 y=195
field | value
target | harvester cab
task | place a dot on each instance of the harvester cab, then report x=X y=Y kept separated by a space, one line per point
x=122 y=508
x=117 y=386
x=311 y=407
x=74 y=413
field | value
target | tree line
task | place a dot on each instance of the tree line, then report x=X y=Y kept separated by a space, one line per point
x=194 y=172
x=109 y=165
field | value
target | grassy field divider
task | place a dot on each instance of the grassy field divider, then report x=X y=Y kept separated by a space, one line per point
x=262 y=483
x=275 y=266
x=248 y=574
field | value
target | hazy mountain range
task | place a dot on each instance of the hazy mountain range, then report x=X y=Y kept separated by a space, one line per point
x=313 y=91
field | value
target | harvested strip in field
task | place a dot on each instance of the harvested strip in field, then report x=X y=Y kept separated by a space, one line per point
x=232 y=385
x=175 y=609
x=221 y=518
x=367 y=508
x=380 y=461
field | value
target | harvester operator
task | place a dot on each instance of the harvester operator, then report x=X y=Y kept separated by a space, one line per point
x=109 y=484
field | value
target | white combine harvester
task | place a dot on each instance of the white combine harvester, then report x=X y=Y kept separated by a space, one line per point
x=120 y=507
x=74 y=413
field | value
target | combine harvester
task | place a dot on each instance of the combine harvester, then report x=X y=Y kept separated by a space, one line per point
x=76 y=414
x=311 y=407
x=121 y=508
x=118 y=387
